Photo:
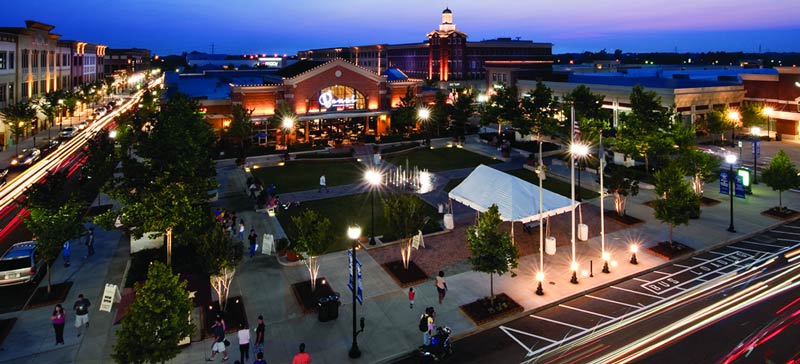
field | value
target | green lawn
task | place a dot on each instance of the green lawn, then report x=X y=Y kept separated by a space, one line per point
x=305 y=176
x=551 y=184
x=343 y=211
x=441 y=159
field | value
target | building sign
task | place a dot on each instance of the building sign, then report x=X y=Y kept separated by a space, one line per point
x=273 y=62
x=327 y=100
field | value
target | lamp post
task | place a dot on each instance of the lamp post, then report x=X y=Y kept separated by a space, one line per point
x=78 y=104
x=423 y=114
x=756 y=131
x=734 y=117
x=354 y=232
x=601 y=156
x=579 y=151
x=287 y=123
x=768 y=112
x=373 y=179
x=731 y=160
x=542 y=175
x=573 y=150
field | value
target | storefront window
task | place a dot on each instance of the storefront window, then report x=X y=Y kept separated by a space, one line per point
x=341 y=97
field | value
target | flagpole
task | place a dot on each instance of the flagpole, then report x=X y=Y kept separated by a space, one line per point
x=602 y=155
x=574 y=264
x=540 y=172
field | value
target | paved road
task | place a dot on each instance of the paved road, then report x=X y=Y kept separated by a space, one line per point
x=552 y=327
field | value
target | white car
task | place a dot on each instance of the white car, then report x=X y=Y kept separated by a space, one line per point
x=83 y=125
x=68 y=132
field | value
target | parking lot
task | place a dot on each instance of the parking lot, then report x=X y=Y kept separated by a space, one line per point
x=553 y=326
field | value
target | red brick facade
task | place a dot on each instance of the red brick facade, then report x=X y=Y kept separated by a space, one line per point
x=780 y=92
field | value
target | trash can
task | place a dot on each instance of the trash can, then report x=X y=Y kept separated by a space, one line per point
x=328 y=307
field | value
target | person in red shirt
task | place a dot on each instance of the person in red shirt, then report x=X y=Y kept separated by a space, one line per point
x=302 y=357
x=411 y=295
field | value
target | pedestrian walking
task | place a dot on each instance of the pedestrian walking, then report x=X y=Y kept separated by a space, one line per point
x=244 y=342
x=90 y=242
x=241 y=230
x=441 y=286
x=252 y=238
x=59 y=318
x=323 y=184
x=219 y=340
x=259 y=345
x=65 y=253
x=271 y=189
x=427 y=324
x=302 y=357
x=252 y=189
x=260 y=358
x=411 y=295
x=81 y=308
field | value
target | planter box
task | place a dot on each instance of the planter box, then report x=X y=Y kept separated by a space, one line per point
x=479 y=314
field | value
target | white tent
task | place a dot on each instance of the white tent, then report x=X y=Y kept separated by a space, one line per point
x=516 y=199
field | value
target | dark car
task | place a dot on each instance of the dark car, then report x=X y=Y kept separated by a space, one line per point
x=25 y=158
x=49 y=147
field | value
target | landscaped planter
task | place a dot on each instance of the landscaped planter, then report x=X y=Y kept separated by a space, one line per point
x=480 y=312
x=782 y=214
x=405 y=277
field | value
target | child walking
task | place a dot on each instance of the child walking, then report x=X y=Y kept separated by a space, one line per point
x=411 y=295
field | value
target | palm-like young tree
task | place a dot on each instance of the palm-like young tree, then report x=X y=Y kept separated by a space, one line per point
x=18 y=118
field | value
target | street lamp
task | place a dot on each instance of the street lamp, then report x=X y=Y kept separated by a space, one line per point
x=579 y=151
x=354 y=232
x=574 y=267
x=731 y=160
x=60 y=113
x=373 y=179
x=574 y=148
x=287 y=123
x=634 y=248
x=424 y=114
x=756 y=131
x=734 y=116
x=606 y=256
x=768 y=111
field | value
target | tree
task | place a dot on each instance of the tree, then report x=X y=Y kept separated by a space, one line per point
x=716 y=122
x=101 y=159
x=538 y=110
x=753 y=114
x=645 y=131
x=492 y=250
x=240 y=130
x=18 y=117
x=404 y=116
x=677 y=202
x=462 y=110
x=157 y=320
x=502 y=107
x=587 y=104
x=622 y=186
x=439 y=114
x=781 y=175
x=51 y=194
x=314 y=237
x=52 y=228
x=219 y=257
x=701 y=166
x=50 y=107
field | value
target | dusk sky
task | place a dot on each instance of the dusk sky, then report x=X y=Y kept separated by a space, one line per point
x=269 y=26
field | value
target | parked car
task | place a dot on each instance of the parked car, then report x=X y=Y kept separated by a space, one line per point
x=19 y=264
x=25 y=158
x=68 y=132
x=83 y=125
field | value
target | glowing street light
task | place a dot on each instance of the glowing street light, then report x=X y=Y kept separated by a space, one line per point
x=579 y=151
x=734 y=116
x=574 y=268
x=287 y=123
x=606 y=256
x=634 y=248
x=374 y=180
x=424 y=114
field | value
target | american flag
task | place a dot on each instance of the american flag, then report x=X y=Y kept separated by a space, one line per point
x=576 y=128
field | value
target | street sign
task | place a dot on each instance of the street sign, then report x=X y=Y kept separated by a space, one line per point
x=740 y=144
x=110 y=295
x=724 y=182
x=360 y=292
x=738 y=186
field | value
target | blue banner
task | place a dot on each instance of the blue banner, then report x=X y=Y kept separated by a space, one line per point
x=360 y=292
x=724 y=182
x=738 y=186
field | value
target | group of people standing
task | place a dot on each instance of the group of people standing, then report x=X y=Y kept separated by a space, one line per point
x=220 y=344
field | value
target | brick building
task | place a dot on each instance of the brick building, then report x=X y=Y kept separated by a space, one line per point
x=335 y=95
x=781 y=93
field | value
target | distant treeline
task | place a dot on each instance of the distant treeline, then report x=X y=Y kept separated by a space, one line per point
x=767 y=59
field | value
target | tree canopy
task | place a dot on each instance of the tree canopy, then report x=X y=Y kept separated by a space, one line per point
x=677 y=202
x=157 y=320
x=781 y=175
x=492 y=250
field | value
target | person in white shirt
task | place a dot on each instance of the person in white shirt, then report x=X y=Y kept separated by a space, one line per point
x=244 y=343
x=323 y=184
